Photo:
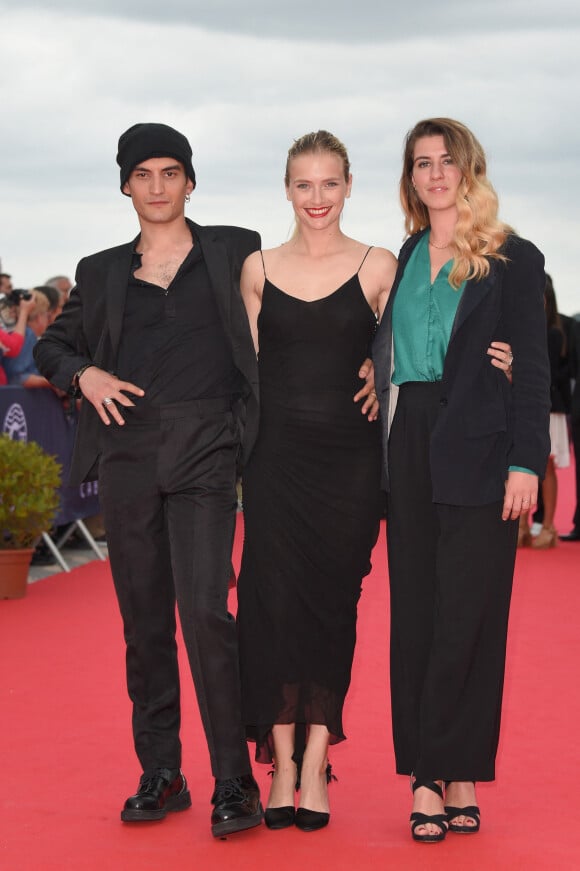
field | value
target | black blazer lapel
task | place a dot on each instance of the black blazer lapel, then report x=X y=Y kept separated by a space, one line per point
x=116 y=294
x=216 y=259
x=474 y=293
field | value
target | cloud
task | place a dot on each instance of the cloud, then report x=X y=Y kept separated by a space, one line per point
x=332 y=20
x=78 y=80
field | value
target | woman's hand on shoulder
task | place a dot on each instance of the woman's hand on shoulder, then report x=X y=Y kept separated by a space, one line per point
x=502 y=357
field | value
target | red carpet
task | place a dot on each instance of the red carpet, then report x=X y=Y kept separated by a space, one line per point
x=68 y=762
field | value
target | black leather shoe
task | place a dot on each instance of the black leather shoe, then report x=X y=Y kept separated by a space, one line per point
x=236 y=806
x=310 y=821
x=571 y=536
x=279 y=817
x=160 y=791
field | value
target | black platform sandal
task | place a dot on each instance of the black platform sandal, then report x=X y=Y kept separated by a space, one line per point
x=419 y=819
x=471 y=811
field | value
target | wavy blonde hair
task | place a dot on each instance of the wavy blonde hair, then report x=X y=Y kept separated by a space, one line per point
x=478 y=234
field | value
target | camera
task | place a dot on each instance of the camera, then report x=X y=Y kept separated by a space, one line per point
x=14 y=297
x=9 y=303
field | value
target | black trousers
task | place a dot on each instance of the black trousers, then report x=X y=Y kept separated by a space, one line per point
x=167 y=486
x=451 y=570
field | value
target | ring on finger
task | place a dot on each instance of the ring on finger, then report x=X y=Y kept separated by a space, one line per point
x=510 y=358
x=107 y=400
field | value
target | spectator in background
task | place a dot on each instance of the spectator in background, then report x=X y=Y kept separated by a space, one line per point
x=5 y=282
x=560 y=399
x=22 y=369
x=12 y=337
x=559 y=445
x=61 y=283
x=573 y=340
x=54 y=298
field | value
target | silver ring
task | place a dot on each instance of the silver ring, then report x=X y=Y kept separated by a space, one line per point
x=107 y=401
x=510 y=359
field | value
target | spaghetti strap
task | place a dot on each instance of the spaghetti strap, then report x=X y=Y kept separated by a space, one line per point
x=363 y=260
x=264 y=265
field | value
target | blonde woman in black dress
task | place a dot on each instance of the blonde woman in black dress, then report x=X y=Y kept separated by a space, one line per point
x=312 y=501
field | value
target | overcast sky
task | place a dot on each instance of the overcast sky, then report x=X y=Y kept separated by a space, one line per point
x=243 y=79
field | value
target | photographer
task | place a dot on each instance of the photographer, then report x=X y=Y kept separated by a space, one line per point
x=14 y=311
x=22 y=369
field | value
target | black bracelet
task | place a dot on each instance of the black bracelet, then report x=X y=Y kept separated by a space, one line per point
x=77 y=375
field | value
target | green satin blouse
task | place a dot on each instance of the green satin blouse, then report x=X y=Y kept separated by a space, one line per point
x=423 y=315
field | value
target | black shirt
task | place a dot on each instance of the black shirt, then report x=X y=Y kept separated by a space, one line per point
x=173 y=344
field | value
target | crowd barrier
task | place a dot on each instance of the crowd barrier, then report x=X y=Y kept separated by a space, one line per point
x=39 y=415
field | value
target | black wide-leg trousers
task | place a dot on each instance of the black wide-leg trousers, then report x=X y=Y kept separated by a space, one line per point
x=167 y=487
x=451 y=570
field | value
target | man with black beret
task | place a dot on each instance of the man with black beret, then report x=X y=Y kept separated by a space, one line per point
x=155 y=338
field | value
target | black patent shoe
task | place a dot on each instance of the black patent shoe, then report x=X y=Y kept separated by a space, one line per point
x=236 y=804
x=160 y=791
x=279 y=817
x=310 y=821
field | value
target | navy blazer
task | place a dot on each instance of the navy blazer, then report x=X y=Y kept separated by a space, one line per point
x=89 y=328
x=485 y=424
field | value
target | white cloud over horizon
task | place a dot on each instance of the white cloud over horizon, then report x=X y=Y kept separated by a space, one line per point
x=73 y=80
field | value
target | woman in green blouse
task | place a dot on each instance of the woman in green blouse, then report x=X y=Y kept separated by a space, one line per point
x=461 y=461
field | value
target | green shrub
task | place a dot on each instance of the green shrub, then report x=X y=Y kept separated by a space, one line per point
x=29 y=498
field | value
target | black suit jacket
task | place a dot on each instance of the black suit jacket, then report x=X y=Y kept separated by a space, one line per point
x=89 y=328
x=485 y=424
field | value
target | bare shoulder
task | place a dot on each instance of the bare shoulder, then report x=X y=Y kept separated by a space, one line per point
x=253 y=261
x=376 y=276
x=381 y=264
x=272 y=256
x=383 y=258
x=252 y=278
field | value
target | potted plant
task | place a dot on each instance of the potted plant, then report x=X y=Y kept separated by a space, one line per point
x=29 y=499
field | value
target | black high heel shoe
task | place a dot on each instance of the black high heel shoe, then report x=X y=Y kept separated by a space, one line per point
x=419 y=819
x=310 y=821
x=279 y=817
x=471 y=811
